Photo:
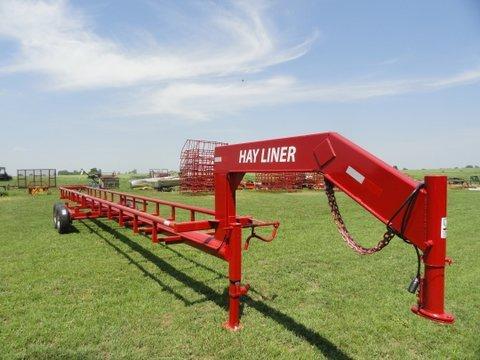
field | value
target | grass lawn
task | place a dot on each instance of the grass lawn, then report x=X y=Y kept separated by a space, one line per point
x=103 y=292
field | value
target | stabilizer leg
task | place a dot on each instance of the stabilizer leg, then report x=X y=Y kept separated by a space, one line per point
x=235 y=288
x=431 y=296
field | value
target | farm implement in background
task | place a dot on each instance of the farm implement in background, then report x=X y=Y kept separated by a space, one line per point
x=462 y=183
x=197 y=166
x=100 y=180
x=413 y=211
x=164 y=183
x=37 y=181
x=3 y=175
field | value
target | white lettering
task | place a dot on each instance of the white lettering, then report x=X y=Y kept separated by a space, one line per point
x=275 y=154
x=263 y=158
x=243 y=155
x=268 y=155
x=283 y=154
x=255 y=154
x=291 y=153
x=249 y=157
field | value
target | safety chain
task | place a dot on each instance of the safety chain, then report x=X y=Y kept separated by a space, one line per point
x=342 y=228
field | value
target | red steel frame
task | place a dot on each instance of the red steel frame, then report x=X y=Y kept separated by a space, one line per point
x=375 y=185
x=152 y=216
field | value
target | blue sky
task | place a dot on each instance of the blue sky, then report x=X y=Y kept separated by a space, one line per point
x=121 y=84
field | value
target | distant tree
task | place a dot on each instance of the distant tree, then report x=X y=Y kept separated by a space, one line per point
x=404 y=169
x=133 y=172
x=469 y=167
x=67 y=172
x=94 y=170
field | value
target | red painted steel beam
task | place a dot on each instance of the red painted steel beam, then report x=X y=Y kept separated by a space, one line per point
x=375 y=185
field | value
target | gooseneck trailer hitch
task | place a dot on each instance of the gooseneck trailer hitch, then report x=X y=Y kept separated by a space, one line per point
x=415 y=212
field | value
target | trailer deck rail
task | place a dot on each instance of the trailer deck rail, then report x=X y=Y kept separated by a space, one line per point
x=160 y=219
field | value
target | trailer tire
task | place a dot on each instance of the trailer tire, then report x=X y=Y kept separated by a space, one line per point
x=56 y=206
x=63 y=220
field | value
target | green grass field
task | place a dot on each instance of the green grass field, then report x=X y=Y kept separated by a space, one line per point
x=463 y=173
x=103 y=292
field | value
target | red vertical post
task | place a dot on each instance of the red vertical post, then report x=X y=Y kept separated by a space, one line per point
x=154 y=233
x=235 y=288
x=135 y=224
x=120 y=217
x=431 y=299
x=225 y=209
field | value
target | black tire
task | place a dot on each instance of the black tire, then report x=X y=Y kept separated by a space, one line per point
x=56 y=206
x=63 y=220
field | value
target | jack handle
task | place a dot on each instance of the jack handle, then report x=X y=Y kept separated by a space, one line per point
x=253 y=234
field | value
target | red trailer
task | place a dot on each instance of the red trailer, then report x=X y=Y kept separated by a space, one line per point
x=413 y=211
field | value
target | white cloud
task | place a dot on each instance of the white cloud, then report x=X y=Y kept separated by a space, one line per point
x=466 y=77
x=198 y=78
x=201 y=101
x=56 y=40
x=19 y=149
x=204 y=101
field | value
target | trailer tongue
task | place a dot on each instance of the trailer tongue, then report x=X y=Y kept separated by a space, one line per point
x=415 y=212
